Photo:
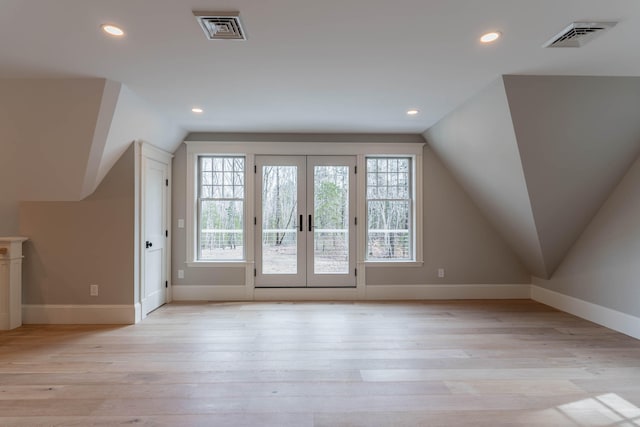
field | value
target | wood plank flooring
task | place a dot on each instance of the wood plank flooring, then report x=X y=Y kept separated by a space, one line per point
x=446 y=363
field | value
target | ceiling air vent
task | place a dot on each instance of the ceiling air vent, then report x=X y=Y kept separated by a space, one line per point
x=221 y=25
x=577 y=34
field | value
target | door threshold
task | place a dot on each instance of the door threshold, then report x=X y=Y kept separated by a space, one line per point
x=306 y=287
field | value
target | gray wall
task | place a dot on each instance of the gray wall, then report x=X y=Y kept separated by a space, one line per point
x=74 y=244
x=46 y=133
x=8 y=174
x=456 y=237
x=602 y=267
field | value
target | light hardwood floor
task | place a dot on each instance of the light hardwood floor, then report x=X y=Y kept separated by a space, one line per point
x=480 y=363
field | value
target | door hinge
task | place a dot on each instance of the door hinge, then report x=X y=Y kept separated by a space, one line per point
x=166 y=283
x=356 y=272
x=255 y=220
x=355 y=169
x=255 y=272
x=166 y=233
x=166 y=182
x=355 y=220
x=255 y=168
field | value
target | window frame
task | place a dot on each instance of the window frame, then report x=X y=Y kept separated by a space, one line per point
x=249 y=149
x=411 y=202
x=200 y=199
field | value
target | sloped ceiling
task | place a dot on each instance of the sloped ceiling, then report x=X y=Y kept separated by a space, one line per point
x=540 y=154
x=577 y=137
x=477 y=143
x=131 y=119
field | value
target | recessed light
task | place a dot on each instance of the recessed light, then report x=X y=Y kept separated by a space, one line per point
x=412 y=112
x=197 y=110
x=490 y=37
x=112 y=30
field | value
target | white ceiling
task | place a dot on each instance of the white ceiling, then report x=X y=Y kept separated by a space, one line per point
x=311 y=65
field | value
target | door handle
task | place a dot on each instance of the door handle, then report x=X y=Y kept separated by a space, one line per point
x=148 y=244
x=301 y=224
x=310 y=223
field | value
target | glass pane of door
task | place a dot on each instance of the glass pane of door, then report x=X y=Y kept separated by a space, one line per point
x=331 y=207
x=331 y=220
x=279 y=219
x=280 y=205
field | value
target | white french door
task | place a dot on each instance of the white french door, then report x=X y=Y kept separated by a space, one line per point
x=280 y=221
x=331 y=231
x=305 y=221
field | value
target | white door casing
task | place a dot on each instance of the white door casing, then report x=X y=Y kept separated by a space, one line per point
x=297 y=244
x=154 y=241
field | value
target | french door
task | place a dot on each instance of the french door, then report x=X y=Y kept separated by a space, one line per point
x=305 y=221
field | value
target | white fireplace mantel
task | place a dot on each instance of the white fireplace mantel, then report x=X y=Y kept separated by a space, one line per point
x=11 y=282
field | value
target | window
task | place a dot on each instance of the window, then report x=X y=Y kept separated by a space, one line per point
x=221 y=206
x=389 y=209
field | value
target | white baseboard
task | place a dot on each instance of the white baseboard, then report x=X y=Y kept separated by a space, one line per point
x=4 y=321
x=78 y=314
x=137 y=310
x=372 y=292
x=426 y=292
x=612 y=319
x=129 y=314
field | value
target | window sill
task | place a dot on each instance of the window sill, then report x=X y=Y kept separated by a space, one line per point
x=377 y=264
x=219 y=264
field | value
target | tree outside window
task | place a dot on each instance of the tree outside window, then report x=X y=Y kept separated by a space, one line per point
x=389 y=209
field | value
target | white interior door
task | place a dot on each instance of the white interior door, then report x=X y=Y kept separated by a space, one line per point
x=305 y=224
x=154 y=291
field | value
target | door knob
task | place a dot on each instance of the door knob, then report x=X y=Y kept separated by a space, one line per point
x=148 y=244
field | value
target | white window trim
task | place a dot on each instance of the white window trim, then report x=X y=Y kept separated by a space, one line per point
x=192 y=210
x=250 y=149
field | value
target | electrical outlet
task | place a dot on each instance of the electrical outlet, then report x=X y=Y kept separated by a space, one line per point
x=93 y=290
x=180 y=274
x=441 y=273
x=181 y=223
